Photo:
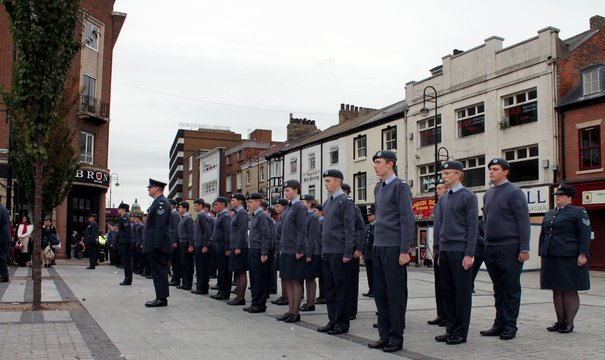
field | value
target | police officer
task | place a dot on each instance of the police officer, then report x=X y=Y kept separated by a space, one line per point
x=175 y=257
x=507 y=233
x=393 y=235
x=186 y=242
x=220 y=242
x=91 y=239
x=457 y=239
x=157 y=243
x=367 y=251
x=260 y=255
x=201 y=243
x=337 y=252
x=440 y=319
x=564 y=248
x=124 y=243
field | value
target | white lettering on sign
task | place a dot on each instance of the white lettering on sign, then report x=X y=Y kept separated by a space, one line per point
x=538 y=199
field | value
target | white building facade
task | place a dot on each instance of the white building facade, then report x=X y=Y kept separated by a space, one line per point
x=210 y=174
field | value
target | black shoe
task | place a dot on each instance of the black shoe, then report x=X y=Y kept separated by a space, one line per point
x=556 y=326
x=274 y=302
x=220 y=297
x=375 y=325
x=492 y=332
x=307 y=307
x=442 y=338
x=272 y=292
x=378 y=344
x=174 y=283
x=283 y=317
x=157 y=303
x=320 y=301
x=282 y=302
x=368 y=294
x=389 y=348
x=215 y=287
x=90 y=268
x=566 y=329
x=256 y=309
x=436 y=321
x=292 y=318
x=352 y=317
x=148 y=276
x=455 y=340
x=442 y=323
x=337 y=331
x=124 y=283
x=184 y=288
x=507 y=335
x=325 y=328
x=246 y=308
x=236 y=302
x=199 y=292
x=4 y=280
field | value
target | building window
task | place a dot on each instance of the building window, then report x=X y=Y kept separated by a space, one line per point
x=590 y=148
x=471 y=120
x=209 y=165
x=312 y=190
x=426 y=129
x=312 y=161
x=228 y=184
x=389 y=138
x=261 y=170
x=333 y=155
x=360 y=186
x=91 y=36
x=191 y=163
x=521 y=108
x=293 y=165
x=474 y=171
x=427 y=178
x=209 y=187
x=591 y=81
x=524 y=163
x=239 y=180
x=248 y=177
x=87 y=147
x=190 y=180
x=360 y=150
x=89 y=86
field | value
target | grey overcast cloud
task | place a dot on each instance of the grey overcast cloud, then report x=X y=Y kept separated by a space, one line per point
x=248 y=64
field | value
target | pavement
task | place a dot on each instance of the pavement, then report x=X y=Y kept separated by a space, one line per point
x=87 y=315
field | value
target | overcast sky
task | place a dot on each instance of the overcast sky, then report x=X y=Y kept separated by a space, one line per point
x=247 y=64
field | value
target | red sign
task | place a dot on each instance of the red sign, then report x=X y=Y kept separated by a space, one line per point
x=423 y=208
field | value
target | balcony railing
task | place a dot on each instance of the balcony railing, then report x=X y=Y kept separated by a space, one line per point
x=94 y=107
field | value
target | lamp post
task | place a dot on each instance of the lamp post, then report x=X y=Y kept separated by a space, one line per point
x=111 y=177
x=432 y=98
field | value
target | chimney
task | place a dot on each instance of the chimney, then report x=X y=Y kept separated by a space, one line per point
x=297 y=127
x=597 y=23
x=347 y=112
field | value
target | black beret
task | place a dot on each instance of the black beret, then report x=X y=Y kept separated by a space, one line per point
x=333 y=173
x=319 y=207
x=139 y=215
x=499 y=161
x=91 y=215
x=184 y=204
x=281 y=201
x=255 y=196
x=371 y=210
x=452 y=165
x=238 y=196
x=221 y=199
x=294 y=184
x=124 y=206
x=307 y=197
x=272 y=211
x=345 y=187
x=385 y=154
x=199 y=201
x=565 y=189
x=173 y=202
x=157 y=183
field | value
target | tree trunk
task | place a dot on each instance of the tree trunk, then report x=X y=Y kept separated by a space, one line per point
x=37 y=235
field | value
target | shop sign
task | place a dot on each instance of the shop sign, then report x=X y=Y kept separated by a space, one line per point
x=423 y=208
x=594 y=197
x=92 y=177
x=312 y=175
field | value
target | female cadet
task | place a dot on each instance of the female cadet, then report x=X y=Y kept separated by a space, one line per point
x=564 y=242
x=313 y=266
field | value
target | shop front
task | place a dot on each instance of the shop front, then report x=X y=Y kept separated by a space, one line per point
x=591 y=195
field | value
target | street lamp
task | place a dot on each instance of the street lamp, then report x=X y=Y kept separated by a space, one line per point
x=432 y=98
x=111 y=177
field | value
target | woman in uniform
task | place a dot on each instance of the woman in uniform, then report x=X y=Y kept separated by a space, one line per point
x=564 y=242
x=313 y=267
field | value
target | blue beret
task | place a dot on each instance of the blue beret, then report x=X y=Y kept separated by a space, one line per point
x=385 y=154
x=333 y=173
x=452 y=165
x=499 y=161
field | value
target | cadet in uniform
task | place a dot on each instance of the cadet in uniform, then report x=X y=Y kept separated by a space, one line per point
x=201 y=243
x=393 y=233
x=367 y=251
x=91 y=238
x=175 y=258
x=280 y=206
x=564 y=248
x=337 y=252
x=157 y=243
x=319 y=212
x=260 y=255
x=134 y=250
x=457 y=239
x=186 y=242
x=440 y=319
x=507 y=233
x=220 y=242
x=124 y=243
x=313 y=257
x=238 y=247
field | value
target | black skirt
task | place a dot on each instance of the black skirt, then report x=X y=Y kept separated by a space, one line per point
x=290 y=268
x=313 y=269
x=238 y=263
x=563 y=273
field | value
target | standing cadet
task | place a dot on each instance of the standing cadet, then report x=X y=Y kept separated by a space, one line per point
x=393 y=233
x=157 y=244
x=318 y=210
x=280 y=206
x=91 y=240
x=207 y=208
x=238 y=247
x=337 y=252
x=313 y=257
x=175 y=257
x=220 y=242
x=135 y=250
x=457 y=238
x=201 y=244
x=507 y=233
x=186 y=246
x=440 y=319
x=260 y=255
x=292 y=259
x=124 y=243
x=367 y=252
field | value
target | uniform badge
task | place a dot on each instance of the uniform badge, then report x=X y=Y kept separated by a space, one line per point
x=586 y=222
x=495 y=161
x=379 y=154
x=445 y=166
x=326 y=173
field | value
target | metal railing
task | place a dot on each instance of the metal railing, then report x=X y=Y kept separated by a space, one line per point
x=94 y=106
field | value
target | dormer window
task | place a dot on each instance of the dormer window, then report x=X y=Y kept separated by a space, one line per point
x=591 y=81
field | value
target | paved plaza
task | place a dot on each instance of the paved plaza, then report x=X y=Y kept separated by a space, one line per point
x=88 y=316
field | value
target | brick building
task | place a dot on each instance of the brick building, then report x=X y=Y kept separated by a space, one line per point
x=581 y=109
x=90 y=120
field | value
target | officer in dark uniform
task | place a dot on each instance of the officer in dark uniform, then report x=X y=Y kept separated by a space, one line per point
x=91 y=239
x=220 y=242
x=201 y=253
x=367 y=251
x=175 y=258
x=157 y=243
x=124 y=243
